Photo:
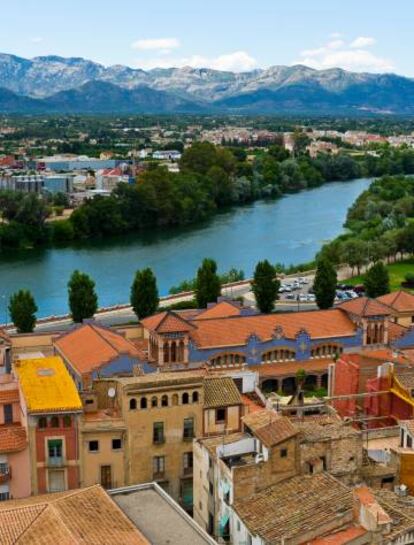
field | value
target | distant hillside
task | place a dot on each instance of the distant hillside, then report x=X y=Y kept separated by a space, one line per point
x=77 y=85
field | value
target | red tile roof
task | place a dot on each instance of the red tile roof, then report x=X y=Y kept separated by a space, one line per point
x=363 y=306
x=90 y=346
x=269 y=427
x=12 y=439
x=395 y=331
x=167 y=322
x=235 y=330
x=400 y=301
x=340 y=538
x=9 y=396
x=220 y=310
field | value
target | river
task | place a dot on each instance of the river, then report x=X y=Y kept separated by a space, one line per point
x=289 y=230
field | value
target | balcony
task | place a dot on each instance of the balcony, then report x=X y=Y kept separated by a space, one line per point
x=55 y=461
x=158 y=476
x=5 y=473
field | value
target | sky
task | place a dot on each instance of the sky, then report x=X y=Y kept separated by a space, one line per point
x=238 y=35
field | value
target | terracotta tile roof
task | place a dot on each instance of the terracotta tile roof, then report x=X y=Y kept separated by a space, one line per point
x=269 y=427
x=220 y=310
x=235 y=330
x=405 y=377
x=158 y=380
x=220 y=392
x=252 y=403
x=401 y=301
x=80 y=517
x=167 y=322
x=296 y=507
x=12 y=439
x=89 y=346
x=400 y=509
x=47 y=386
x=395 y=331
x=363 y=306
x=9 y=396
x=340 y=538
x=324 y=428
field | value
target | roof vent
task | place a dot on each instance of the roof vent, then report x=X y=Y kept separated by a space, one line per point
x=45 y=372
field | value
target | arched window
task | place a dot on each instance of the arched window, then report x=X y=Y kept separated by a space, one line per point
x=195 y=397
x=143 y=403
x=175 y=399
x=164 y=401
x=67 y=421
x=154 y=401
x=133 y=404
x=54 y=422
x=185 y=398
x=42 y=422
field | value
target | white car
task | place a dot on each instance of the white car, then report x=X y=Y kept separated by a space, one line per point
x=303 y=298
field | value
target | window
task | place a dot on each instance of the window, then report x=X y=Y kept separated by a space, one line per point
x=154 y=402
x=188 y=430
x=4 y=468
x=67 y=421
x=158 y=466
x=195 y=397
x=93 y=446
x=402 y=438
x=211 y=488
x=158 y=432
x=4 y=496
x=54 y=422
x=42 y=422
x=164 y=401
x=185 y=398
x=143 y=403
x=220 y=415
x=283 y=452
x=89 y=401
x=175 y=400
x=188 y=463
x=133 y=404
x=54 y=449
x=116 y=444
x=56 y=481
x=409 y=441
x=8 y=413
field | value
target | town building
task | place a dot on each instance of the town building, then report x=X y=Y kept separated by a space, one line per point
x=50 y=412
x=402 y=306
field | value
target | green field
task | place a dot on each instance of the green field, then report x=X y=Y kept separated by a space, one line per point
x=397 y=272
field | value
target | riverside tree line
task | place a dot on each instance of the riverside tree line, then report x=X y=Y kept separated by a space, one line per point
x=210 y=178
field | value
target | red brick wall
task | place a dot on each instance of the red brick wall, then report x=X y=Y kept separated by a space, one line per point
x=346 y=382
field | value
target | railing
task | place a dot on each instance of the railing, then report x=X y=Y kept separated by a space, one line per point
x=55 y=461
x=5 y=473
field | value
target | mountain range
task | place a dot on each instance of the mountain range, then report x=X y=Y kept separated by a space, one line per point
x=54 y=84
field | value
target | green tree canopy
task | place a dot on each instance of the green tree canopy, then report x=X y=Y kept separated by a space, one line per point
x=325 y=283
x=208 y=285
x=23 y=308
x=144 y=293
x=377 y=280
x=83 y=301
x=265 y=286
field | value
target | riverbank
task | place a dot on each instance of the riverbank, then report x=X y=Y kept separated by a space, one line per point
x=290 y=230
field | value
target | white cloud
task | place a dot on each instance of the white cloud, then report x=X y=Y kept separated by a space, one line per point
x=238 y=61
x=36 y=40
x=156 y=43
x=353 y=56
x=362 y=41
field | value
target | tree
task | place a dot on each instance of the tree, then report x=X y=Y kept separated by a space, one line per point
x=325 y=283
x=208 y=286
x=83 y=301
x=265 y=286
x=144 y=293
x=23 y=308
x=377 y=280
x=355 y=253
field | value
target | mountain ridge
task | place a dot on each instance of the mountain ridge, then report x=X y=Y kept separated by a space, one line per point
x=59 y=84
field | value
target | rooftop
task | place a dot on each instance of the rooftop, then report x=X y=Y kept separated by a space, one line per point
x=47 y=385
x=90 y=346
x=401 y=301
x=297 y=506
x=220 y=392
x=269 y=427
x=365 y=307
x=167 y=322
x=160 y=518
x=12 y=439
x=162 y=379
x=86 y=517
x=222 y=309
x=324 y=427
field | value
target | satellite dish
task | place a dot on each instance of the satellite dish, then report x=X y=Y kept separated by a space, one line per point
x=111 y=392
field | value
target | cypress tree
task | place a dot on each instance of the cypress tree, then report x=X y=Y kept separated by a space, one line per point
x=144 y=293
x=324 y=285
x=83 y=301
x=265 y=286
x=377 y=280
x=208 y=285
x=23 y=308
